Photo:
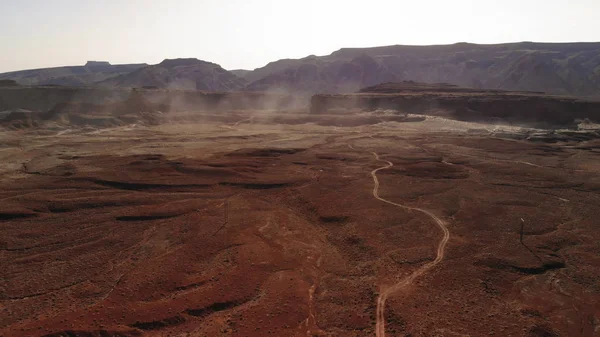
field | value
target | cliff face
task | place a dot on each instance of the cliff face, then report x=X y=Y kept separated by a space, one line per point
x=32 y=103
x=465 y=104
x=8 y=83
x=45 y=98
x=555 y=68
x=37 y=106
x=313 y=75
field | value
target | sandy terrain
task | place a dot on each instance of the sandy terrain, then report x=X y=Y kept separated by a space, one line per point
x=250 y=226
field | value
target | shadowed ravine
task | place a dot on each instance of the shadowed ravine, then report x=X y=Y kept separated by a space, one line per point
x=386 y=292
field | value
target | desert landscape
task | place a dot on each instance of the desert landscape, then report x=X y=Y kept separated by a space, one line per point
x=154 y=212
x=303 y=168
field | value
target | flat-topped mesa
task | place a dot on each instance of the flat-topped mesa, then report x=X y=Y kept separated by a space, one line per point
x=169 y=63
x=480 y=105
x=412 y=86
x=8 y=83
x=49 y=106
x=97 y=64
x=420 y=87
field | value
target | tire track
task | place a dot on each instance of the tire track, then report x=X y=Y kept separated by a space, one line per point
x=385 y=293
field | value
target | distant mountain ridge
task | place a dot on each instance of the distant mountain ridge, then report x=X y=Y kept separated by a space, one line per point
x=555 y=68
x=89 y=74
x=184 y=74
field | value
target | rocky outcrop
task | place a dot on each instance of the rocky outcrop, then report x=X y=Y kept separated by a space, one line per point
x=314 y=75
x=44 y=98
x=8 y=83
x=463 y=104
x=179 y=74
x=556 y=68
x=26 y=107
x=97 y=64
x=134 y=109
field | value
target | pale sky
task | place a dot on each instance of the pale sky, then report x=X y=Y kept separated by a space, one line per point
x=250 y=33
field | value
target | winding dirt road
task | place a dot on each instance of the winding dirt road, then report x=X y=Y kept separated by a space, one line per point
x=385 y=293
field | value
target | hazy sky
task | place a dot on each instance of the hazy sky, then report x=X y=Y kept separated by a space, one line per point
x=250 y=33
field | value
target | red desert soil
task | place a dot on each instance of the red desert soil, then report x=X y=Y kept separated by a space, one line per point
x=256 y=227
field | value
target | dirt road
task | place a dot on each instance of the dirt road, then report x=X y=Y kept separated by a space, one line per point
x=385 y=293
